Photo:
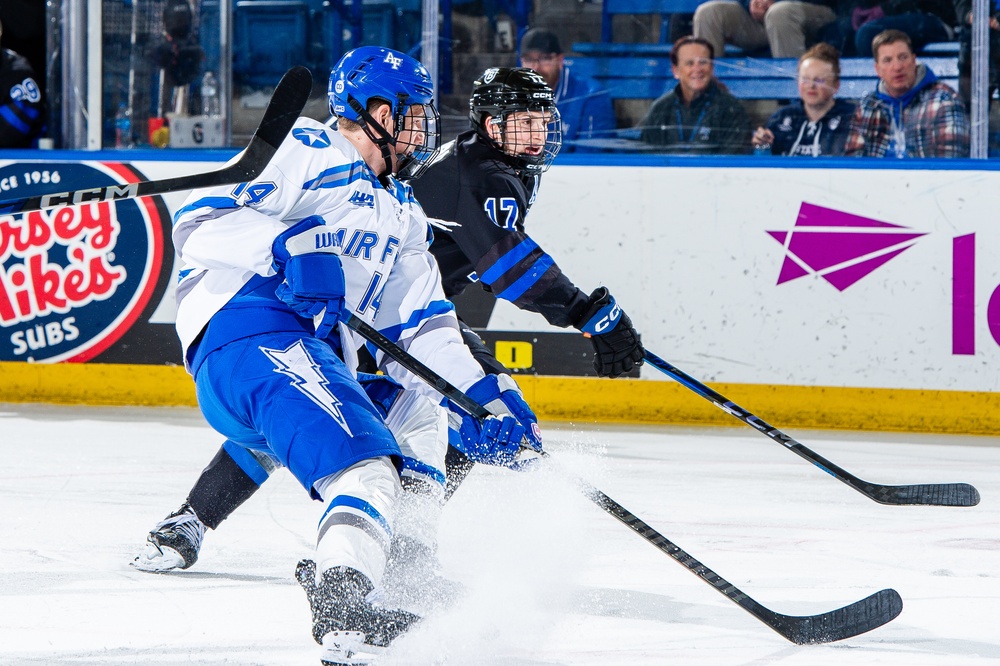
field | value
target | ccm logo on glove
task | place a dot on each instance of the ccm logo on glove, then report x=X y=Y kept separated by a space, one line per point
x=603 y=313
x=609 y=319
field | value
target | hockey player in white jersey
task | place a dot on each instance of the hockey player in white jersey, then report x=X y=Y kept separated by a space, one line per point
x=492 y=170
x=268 y=268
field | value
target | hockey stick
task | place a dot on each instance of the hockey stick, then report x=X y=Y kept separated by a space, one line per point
x=936 y=494
x=287 y=102
x=851 y=620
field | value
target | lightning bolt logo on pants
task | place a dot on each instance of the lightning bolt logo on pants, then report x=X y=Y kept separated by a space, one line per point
x=305 y=374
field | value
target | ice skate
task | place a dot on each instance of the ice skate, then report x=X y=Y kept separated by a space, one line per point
x=173 y=544
x=413 y=578
x=351 y=629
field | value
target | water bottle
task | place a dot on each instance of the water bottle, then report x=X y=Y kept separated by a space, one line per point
x=123 y=127
x=209 y=95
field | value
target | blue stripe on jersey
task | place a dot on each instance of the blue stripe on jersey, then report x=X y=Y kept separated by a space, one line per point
x=423 y=469
x=417 y=317
x=360 y=505
x=8 y=114
x=340 y=176
x=526 y=281
x=402 y=193
x=207 y=202
x=183 y=273
x=27 y=109
x=508 y=260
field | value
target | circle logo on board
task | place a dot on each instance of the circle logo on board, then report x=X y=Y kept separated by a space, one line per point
x=74 y=279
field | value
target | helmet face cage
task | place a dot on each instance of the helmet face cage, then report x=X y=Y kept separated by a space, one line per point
x=417 y=139
x=374 y=72
x=520 y=107
x=532 y=137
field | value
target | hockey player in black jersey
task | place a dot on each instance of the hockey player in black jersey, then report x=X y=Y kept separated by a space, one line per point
x=22 y=110
x=478 y=194
x=480 y=190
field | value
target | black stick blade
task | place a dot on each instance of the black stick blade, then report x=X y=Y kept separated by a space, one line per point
x=857 y=618
x=287 y=101
x=933 y=494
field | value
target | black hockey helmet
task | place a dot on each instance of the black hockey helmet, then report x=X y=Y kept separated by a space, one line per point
x=177 y=19
x=530 y=142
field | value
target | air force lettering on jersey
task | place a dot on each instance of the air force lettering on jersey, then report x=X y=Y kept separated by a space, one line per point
x=335 y=183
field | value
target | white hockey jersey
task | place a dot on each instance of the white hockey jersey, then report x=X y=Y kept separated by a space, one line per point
x=224 y=235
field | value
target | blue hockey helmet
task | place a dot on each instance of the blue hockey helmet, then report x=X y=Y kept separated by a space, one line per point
x=375 y=72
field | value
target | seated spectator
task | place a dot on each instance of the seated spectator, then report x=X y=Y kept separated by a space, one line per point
x=963 y=11
x=924 y=21
x=584 y=105
x=698 y=115
x=910 y=113
x=816 y=124
x=783 y=25
x=22 y=116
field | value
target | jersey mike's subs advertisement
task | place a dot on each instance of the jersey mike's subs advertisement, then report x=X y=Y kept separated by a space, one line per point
x=79 y=283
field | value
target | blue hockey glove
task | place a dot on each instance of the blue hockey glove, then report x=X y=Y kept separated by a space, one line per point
x=314 y=279
x=493 y=441
x=500 y=395
x=617 y=346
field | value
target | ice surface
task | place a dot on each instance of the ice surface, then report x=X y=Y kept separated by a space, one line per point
x=550 y=578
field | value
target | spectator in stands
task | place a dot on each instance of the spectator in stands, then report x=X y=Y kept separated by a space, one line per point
x=924 y=21
x=25 y=24
x=910 y=113
x=22 y=117
x=963 y=11
x=783 y=25
x=816 y=124
x=584 y=105
x=698 y=115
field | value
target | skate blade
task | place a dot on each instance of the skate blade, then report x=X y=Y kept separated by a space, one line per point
x=158 y=560
x=348 y=648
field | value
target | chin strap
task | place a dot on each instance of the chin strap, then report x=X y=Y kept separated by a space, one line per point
x=384 y=140
x=499 y=124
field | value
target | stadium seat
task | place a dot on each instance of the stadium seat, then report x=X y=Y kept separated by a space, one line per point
x=645 y=9
x=269 y=37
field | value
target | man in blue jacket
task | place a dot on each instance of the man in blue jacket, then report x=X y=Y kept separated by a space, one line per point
x=584 y=105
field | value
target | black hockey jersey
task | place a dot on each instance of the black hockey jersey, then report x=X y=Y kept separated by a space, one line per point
x=478 y=204
x=21 y=107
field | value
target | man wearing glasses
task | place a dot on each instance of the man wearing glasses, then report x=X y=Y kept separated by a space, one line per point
x=584 y=106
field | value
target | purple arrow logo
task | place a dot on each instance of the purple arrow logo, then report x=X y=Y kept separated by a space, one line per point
x=839 y=247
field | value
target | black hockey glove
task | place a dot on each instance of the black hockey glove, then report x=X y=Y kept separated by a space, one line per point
x=617 y=346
